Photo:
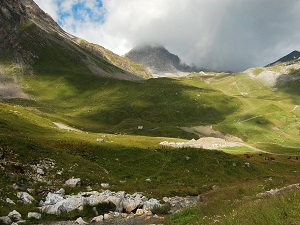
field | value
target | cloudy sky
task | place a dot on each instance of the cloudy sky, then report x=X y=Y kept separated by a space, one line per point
x=215 y=34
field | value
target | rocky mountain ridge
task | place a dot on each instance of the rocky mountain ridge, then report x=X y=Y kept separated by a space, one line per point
x=294 y=55
x=26 y=31
x=159 y=60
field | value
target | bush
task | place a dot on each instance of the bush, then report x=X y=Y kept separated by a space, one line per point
x=163 y=209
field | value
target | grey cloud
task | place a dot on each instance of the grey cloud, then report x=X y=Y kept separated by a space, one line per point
x=220 y=35
x=215 y=34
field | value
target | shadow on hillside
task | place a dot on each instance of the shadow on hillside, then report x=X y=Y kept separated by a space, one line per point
x=290 y=84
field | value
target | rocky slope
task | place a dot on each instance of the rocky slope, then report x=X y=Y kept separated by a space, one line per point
x=27 y=34
x=159 y=60
x=289 y=57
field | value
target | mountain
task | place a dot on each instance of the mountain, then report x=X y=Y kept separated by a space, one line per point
x=32 y=40
x=159 y=60
x=289 y=57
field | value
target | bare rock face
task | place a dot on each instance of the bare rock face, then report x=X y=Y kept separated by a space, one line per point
x=26 y=31
x=159 y=60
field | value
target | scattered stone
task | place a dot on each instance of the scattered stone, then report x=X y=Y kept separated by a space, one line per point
x=25 y=197
x=150 y=204
x=148 y=180
x=34 y=215
x=108 y=216
x=88 y=188
x=80 y=221
x=215 y=187
x=97 y=219
x=30 y=190
x=15 y=216
x=40 y=171
x=5 y=220
x=105 y=185
x=148 y=212
x=139 y=212
x=99 y=140
x=8 y=200
x=21 y=187
x=124 y=215
x=73 y=182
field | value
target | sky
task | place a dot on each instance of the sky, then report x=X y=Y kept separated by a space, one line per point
x=222 y=35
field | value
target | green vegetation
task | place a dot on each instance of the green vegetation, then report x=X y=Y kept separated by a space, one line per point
x=120 y=125
x=281 y=210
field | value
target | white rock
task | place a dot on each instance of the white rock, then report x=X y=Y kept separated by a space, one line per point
x=80 y=221
x=139 y=212
x=105 y=185
x=52 y=199
x=40 y=171
x=166 y=199
x=73 y=182
x=124 y=215
x=148 y=180
x=150 y=204
x=25 y=197
x=34 y=215
x=130 y=204
x=15 y=215
x=61 y=192
x=8 y=200
x=108 y=216
x=97 y=219
x=5 y=220
x=148 y=212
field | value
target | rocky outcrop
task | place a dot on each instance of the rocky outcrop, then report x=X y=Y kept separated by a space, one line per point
x=205 y=143
x=159 y=60
x=57 y=203
x=26 y=31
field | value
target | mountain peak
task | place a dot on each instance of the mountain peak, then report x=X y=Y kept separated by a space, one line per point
x=294 y=55
x=159 y=60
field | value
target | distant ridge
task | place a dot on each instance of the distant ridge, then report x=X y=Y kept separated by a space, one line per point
x=289 y=57
x=159 y=60
x=29 y=37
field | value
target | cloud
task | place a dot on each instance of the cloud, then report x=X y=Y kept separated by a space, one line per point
x=219 y=35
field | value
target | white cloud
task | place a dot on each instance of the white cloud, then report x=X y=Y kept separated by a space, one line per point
x=217 y=34
x=49 y=6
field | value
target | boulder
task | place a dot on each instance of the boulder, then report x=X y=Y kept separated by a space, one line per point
x=73 y=182
x=34 y=215
x=80 y=221
x=66 y=205
x=150 y=204
x=130 y=204
x=8 y=200
x=97 y=219
x=105 y=185
x=139 y=212
x=25 y=197
x=5 y=220
x=15 y=216
x=108 y=216
x=53 y=198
